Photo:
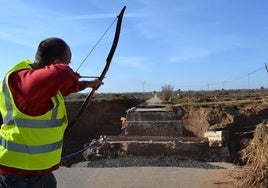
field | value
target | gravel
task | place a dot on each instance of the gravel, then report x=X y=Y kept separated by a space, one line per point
x=141 y=161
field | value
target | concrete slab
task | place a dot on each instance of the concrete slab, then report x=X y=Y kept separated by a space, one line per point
x=156 y=145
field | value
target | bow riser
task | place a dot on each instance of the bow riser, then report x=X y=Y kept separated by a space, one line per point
x=101 y=77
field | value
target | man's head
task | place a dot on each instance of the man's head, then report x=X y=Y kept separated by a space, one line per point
x=52 y=51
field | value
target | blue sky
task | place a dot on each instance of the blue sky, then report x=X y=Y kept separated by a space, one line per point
x=188 y=44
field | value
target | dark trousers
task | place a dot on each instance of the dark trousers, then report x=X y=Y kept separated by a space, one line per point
x=31 y=181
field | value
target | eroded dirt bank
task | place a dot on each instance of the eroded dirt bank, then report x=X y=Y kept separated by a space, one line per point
x=239 y=118
x=100 y=118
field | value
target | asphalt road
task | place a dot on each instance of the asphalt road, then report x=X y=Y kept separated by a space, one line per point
x=144 y=177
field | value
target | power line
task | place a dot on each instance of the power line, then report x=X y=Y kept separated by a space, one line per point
x=265 y=67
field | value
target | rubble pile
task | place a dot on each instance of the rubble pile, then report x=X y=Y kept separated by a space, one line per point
x=100 y=148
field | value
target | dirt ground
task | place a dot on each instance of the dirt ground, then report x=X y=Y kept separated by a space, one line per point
x=237 y=112
x=238 y=115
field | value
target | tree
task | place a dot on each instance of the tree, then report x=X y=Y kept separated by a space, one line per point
x=167 y=91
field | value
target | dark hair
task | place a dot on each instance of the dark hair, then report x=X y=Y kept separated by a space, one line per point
x=51 y=49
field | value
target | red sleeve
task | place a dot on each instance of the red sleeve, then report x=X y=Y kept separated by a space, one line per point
x=36 y=87
x=48 y=81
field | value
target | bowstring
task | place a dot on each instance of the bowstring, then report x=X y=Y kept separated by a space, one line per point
x=96 y=45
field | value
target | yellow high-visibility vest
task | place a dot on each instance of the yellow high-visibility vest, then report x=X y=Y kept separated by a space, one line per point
x=30 y=142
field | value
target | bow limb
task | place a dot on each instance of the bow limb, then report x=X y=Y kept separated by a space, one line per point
x=108 y=62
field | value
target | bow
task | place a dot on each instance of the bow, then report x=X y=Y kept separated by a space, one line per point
x=101 y=77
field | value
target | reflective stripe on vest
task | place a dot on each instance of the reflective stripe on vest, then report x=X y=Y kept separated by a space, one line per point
x=8 y=120
x=22 y=148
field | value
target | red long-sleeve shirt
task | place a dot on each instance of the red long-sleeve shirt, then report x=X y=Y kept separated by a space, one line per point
x=35 y=88
x=32 y=91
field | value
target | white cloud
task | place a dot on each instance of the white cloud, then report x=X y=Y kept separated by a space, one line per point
x=104 y=16
x=189 y=55
x=92 y=16
x=133 y=62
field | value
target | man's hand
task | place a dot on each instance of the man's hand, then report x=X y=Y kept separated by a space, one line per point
x=94 y=84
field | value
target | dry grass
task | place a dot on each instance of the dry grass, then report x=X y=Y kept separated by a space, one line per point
x=255 y=155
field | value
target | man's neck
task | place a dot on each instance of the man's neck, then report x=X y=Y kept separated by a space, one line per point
x=37 y=65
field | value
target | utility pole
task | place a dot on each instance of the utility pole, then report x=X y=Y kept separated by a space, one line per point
x=143 y=86
x=265 y=67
